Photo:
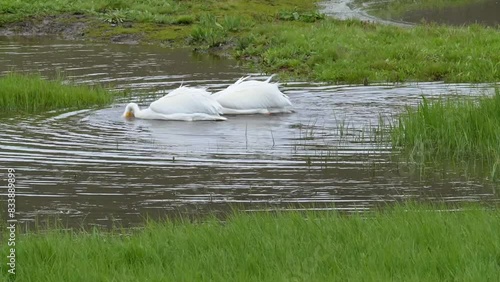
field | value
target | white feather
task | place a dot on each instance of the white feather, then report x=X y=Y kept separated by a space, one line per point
x=183 y=103
x=251 y=96
x=187 y=100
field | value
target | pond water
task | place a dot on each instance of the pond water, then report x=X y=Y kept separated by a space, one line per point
x=347 y=9
x=92 y=167
x=485 y=12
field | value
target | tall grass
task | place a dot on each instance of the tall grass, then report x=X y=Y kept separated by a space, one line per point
x=461 y=130
x=32 y=94
x=406 y=243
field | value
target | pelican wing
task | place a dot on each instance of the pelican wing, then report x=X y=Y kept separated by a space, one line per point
x=253 y=95
x=231 y=87
x=186 y=100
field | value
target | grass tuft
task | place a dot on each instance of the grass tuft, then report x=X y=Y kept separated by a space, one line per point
x=462 y=130
x=32 y=94
x=209 y=32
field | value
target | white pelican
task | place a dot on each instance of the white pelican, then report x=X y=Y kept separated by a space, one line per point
x=183 y=103
x=253 y=97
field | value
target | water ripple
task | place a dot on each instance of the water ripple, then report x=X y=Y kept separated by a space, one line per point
x=93 y=165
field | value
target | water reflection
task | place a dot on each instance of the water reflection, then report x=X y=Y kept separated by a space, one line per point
x=484 y=12
x=93 y=166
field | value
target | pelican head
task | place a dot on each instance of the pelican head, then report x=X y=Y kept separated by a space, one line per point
x=131 y=110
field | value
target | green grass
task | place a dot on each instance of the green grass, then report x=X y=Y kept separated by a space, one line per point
x=356 y=52
x=153 y=11
x=33 y=94
x=406 y=243
x=458 y=130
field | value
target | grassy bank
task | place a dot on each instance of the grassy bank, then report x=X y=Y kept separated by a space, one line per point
x=406 y=243
x=168 y=12
x=357 y=52
x=458 y=130
x=33 y=94
x=286 y=37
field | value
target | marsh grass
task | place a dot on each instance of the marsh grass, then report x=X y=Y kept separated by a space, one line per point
x=460 y=130
x=33 y=94
x=404 y=243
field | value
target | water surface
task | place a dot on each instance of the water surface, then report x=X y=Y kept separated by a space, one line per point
x=484 y=13
x=94 y=167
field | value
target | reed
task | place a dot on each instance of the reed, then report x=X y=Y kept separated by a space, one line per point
x=33 y=94
x=405 y=243
x=461 y=130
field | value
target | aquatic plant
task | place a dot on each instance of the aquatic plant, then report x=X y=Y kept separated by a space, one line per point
x=33 y=94
x=404 y=243
x=458 y=129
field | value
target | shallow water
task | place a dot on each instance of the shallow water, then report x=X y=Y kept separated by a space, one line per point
x=486 y=13
x=93 y=167
x=346 y=9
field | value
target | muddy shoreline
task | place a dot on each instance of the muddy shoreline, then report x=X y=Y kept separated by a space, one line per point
x=66 y=26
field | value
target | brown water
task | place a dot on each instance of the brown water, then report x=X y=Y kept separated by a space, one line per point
x=92 y=166
x=485 y=13
x=348 y=9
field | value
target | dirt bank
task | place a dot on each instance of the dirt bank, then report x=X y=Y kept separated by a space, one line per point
x=65 y=27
